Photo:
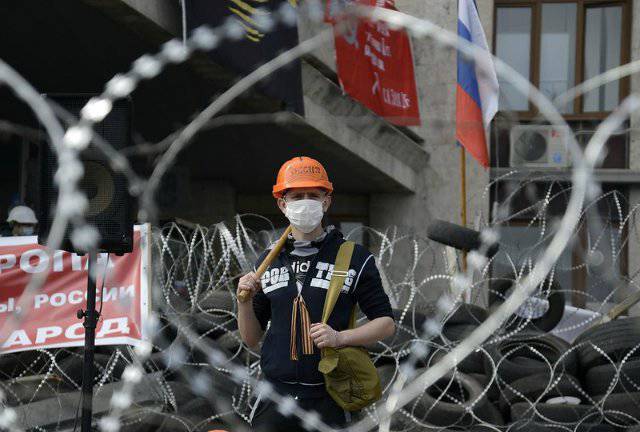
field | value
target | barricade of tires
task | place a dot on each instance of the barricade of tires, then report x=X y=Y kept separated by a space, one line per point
x=529 y=379
x=526 y=379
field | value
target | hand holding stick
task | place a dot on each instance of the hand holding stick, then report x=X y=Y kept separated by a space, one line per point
x=245 y=295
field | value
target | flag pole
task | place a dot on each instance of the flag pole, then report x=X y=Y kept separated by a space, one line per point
x=463 y=208
x=463 y=185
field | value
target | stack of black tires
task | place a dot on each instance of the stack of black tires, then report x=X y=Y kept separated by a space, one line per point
x=524 y=378
x=528 y=379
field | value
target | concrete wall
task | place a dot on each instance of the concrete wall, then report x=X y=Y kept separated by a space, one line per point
x=307 y=28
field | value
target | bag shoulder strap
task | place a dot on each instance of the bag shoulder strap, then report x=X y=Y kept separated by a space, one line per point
x=340 y=269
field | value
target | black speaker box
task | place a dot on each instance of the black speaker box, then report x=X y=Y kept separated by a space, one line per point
x=110 y=205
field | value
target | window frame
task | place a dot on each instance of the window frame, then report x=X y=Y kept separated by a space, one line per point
x=534 y=64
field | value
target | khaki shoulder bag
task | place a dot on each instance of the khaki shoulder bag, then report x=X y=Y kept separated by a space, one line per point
x=349 y=374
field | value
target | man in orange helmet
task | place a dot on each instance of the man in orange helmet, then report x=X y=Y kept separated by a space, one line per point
x=291 y=294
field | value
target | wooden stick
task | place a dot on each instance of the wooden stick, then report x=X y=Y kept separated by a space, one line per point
x=463 y=185
x=244 y=295
x=623 y=306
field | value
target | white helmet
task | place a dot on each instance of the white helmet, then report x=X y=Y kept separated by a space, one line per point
x=22 y=215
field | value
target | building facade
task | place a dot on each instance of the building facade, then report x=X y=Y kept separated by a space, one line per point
x=384 y=175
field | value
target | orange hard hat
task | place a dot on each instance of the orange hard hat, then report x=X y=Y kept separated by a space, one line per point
x=301 y=172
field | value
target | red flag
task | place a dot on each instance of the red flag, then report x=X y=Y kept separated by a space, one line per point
x=375 y=66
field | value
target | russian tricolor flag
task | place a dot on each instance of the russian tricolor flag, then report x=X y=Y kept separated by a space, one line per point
x=477 y=92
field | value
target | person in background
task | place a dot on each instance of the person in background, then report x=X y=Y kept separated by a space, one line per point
x=22 y=221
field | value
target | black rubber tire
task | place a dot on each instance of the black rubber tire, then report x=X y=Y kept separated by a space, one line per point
x=561 y=413
x=219 y=299
x=456 y=333
x=546 y=322
x=139 y=419
x=214 y=325
x=230 y=341
x=534 y=387
x=491 y=414
x=445 y=411
x=32 y=388
x=530 y=426
x=514 y=358
x=467 y=314
x=72 y=367
x=387 y=373
x=598 y=379
x=595 y=427
x=452 y=334
x=485 y=428
x=181 y=380
x=626 y=403
x=164 y=335
x=216 y=425
x=615 y=338
x=412 y=321
x=49 y=414
x=471 y=364
x=407 y=329
x=15 y=364
x=493 y=393
x=191 y=410
x=159 y=422
x=199 y=408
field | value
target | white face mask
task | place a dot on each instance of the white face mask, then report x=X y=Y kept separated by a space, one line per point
x=305 y=214
x=25 y=230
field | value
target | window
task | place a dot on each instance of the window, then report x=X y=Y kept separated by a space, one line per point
x=558 y=44
x=513 y=43
x=603 y=36
x=557 y=50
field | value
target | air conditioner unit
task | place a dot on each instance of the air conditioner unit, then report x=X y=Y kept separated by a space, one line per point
x=539 y=146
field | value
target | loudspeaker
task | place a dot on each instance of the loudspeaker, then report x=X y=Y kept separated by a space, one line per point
x=110 y=205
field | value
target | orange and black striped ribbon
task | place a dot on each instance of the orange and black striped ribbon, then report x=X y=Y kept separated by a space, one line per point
x=305 y=324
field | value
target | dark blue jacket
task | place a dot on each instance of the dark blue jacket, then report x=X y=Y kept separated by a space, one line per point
x=274 y=303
